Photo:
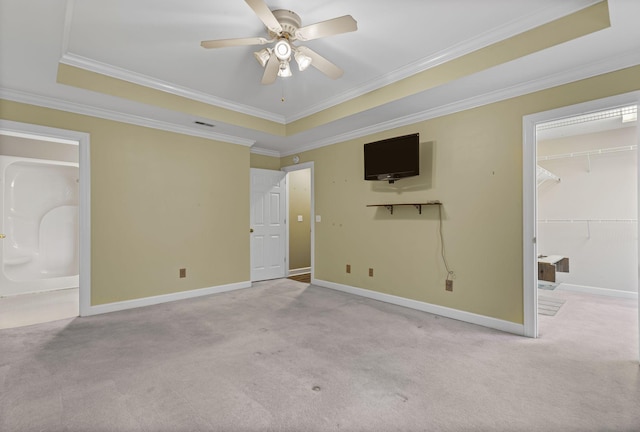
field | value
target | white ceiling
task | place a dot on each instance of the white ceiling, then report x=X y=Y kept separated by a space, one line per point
x=157 y=43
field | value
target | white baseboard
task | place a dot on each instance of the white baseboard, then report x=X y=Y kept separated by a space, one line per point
x=597 y=291
x=456 y=314
x=299 y=271
x=148 y=301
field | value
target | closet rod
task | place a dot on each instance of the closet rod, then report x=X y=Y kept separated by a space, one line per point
x=587 y=222
x=589 y=152
x=584 y=220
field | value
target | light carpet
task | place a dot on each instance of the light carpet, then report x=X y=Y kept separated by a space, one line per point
x=286 y=356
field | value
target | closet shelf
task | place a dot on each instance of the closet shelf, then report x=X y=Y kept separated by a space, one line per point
x=584 y=220
x=542 y=175
x=588 y=222
x=588 y=152
x=416 y=205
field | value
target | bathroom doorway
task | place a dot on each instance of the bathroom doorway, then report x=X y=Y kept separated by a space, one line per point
x=40 y=197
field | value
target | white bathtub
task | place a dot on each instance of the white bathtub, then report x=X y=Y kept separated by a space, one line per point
x=39 y=217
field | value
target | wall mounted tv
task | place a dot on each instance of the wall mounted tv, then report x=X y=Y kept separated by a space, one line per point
x=393 y=158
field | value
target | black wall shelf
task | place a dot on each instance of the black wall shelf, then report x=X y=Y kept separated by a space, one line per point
x=416 y=205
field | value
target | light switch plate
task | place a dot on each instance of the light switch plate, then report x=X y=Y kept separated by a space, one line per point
x=318 y=218
x=299 y=218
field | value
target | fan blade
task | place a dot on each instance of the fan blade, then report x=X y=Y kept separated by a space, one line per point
x=271 y=70
x=221 y=43
x=322 y=64
x=343 y=24
x=266 y=16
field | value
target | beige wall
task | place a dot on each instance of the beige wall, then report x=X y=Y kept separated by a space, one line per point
x=476 y=171
x=158 y=204
x=264 y=162
x=299 y=183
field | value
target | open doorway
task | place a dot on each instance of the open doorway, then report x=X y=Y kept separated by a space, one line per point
x=300 y=215
x=587 y=218
x=42 y=219
x=580 y=165
x=587 y=203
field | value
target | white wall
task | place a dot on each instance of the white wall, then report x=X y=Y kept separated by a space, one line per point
x=607 y=256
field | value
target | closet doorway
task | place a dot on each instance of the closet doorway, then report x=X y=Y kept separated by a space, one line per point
x=580 y=182
x=586 y=179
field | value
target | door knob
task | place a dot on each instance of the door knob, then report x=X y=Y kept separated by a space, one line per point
x=250 y=230
x=2 y=236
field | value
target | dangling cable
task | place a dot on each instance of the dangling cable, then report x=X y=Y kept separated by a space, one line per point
x=450 y=273
x=282 y=99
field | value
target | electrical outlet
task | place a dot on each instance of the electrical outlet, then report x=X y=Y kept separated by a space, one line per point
x=183 y=272
x=370 y=272
x=348 y=268
x=449 y=285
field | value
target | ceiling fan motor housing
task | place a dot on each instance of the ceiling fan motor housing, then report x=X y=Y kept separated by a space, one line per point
x=289 y=21
x=284 y=27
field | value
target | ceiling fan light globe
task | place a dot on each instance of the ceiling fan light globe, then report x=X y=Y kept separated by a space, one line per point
x=282 y=49
x=303 y=60
x=262 y=56
x=285 y=70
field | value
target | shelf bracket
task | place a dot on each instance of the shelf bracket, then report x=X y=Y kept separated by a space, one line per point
x=419 y=207
x=390 y=208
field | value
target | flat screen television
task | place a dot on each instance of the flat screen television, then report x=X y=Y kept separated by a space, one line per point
x=393 y=158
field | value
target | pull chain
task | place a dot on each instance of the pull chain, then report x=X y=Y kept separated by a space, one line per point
x=282 y=99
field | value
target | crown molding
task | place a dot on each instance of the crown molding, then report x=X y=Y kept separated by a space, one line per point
x=628 y=59
x=47 y=102
x=265 y=152
x=468 y=46
x=623 y=61
x=505 y=31
x=156 y=84
x=66 y=29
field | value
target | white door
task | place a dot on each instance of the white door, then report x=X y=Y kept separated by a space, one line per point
x=268 y=224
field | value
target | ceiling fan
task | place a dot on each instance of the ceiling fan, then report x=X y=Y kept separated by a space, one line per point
x=284 y=28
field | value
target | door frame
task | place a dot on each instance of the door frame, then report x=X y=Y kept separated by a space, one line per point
x=530 y=196
x=312 y=217
x=44 y=133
